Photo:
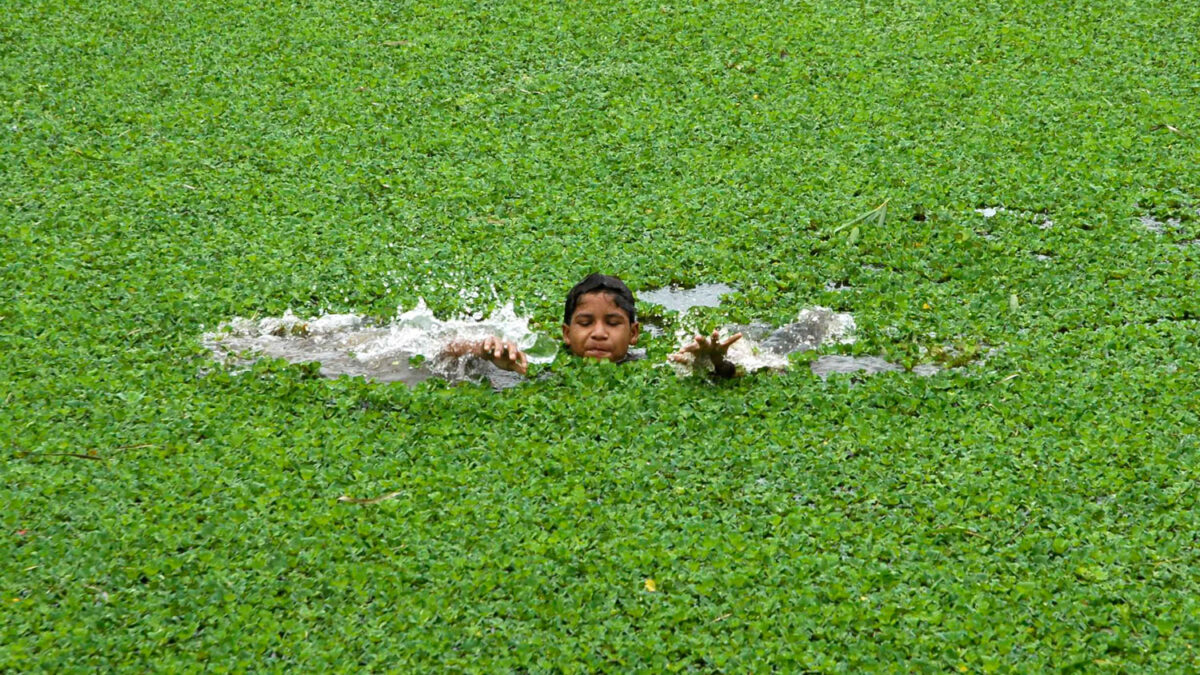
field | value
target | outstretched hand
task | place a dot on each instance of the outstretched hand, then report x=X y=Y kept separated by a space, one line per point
x=712 y=347
x=504 y=353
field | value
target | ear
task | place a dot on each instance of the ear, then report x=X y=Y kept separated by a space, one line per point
x=565 y=334
x=634 y=331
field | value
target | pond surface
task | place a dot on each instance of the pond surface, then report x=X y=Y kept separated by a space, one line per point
x=828 y=365
x=675 y=299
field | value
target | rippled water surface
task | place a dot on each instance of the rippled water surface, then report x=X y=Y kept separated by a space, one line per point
x=764 y=346
x=675 y=299
x=828 y=365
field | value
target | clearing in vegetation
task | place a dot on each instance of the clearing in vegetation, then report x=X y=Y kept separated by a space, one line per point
x=1008 y=191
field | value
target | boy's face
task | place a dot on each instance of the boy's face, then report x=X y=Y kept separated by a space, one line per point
x=600 y=329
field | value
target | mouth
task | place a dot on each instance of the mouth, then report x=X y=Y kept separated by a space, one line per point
x=598 y=353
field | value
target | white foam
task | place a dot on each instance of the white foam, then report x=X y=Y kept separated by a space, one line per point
x=351 y=344
x=418 y=331
x=813 y=328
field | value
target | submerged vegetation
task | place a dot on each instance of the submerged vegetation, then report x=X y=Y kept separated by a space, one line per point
x=170 y=165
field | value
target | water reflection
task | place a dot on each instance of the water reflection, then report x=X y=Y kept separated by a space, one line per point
x=675 y=299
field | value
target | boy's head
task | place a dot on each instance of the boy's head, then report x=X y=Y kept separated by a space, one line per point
x=599 y=320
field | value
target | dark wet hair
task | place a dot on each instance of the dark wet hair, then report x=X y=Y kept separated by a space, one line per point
x=616 y=288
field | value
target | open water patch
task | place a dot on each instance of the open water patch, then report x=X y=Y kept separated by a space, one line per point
x=676 y=299
x=1156 y=226
x=831 y=364
x=1039 y=219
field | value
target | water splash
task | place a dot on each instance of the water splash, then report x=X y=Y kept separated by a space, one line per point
x=764 y=347
x=813 y=327
x=355 y=345
x=350 y=344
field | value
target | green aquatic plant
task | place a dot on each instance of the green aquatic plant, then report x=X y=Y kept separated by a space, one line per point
x=168 y=166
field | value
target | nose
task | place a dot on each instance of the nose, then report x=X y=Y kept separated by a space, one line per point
x=599 y=332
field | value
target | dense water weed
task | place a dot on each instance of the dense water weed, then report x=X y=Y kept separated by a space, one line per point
x=169 y=165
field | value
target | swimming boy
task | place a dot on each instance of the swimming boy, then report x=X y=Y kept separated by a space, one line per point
x=600 y=322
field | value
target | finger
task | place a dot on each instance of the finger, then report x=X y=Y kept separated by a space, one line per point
x=690 y=348
x=735 y=338
x=522 y=360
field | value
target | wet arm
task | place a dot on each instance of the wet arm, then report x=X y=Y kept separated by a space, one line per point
x=503 y=353
x=723 y=369
x=712 y=348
